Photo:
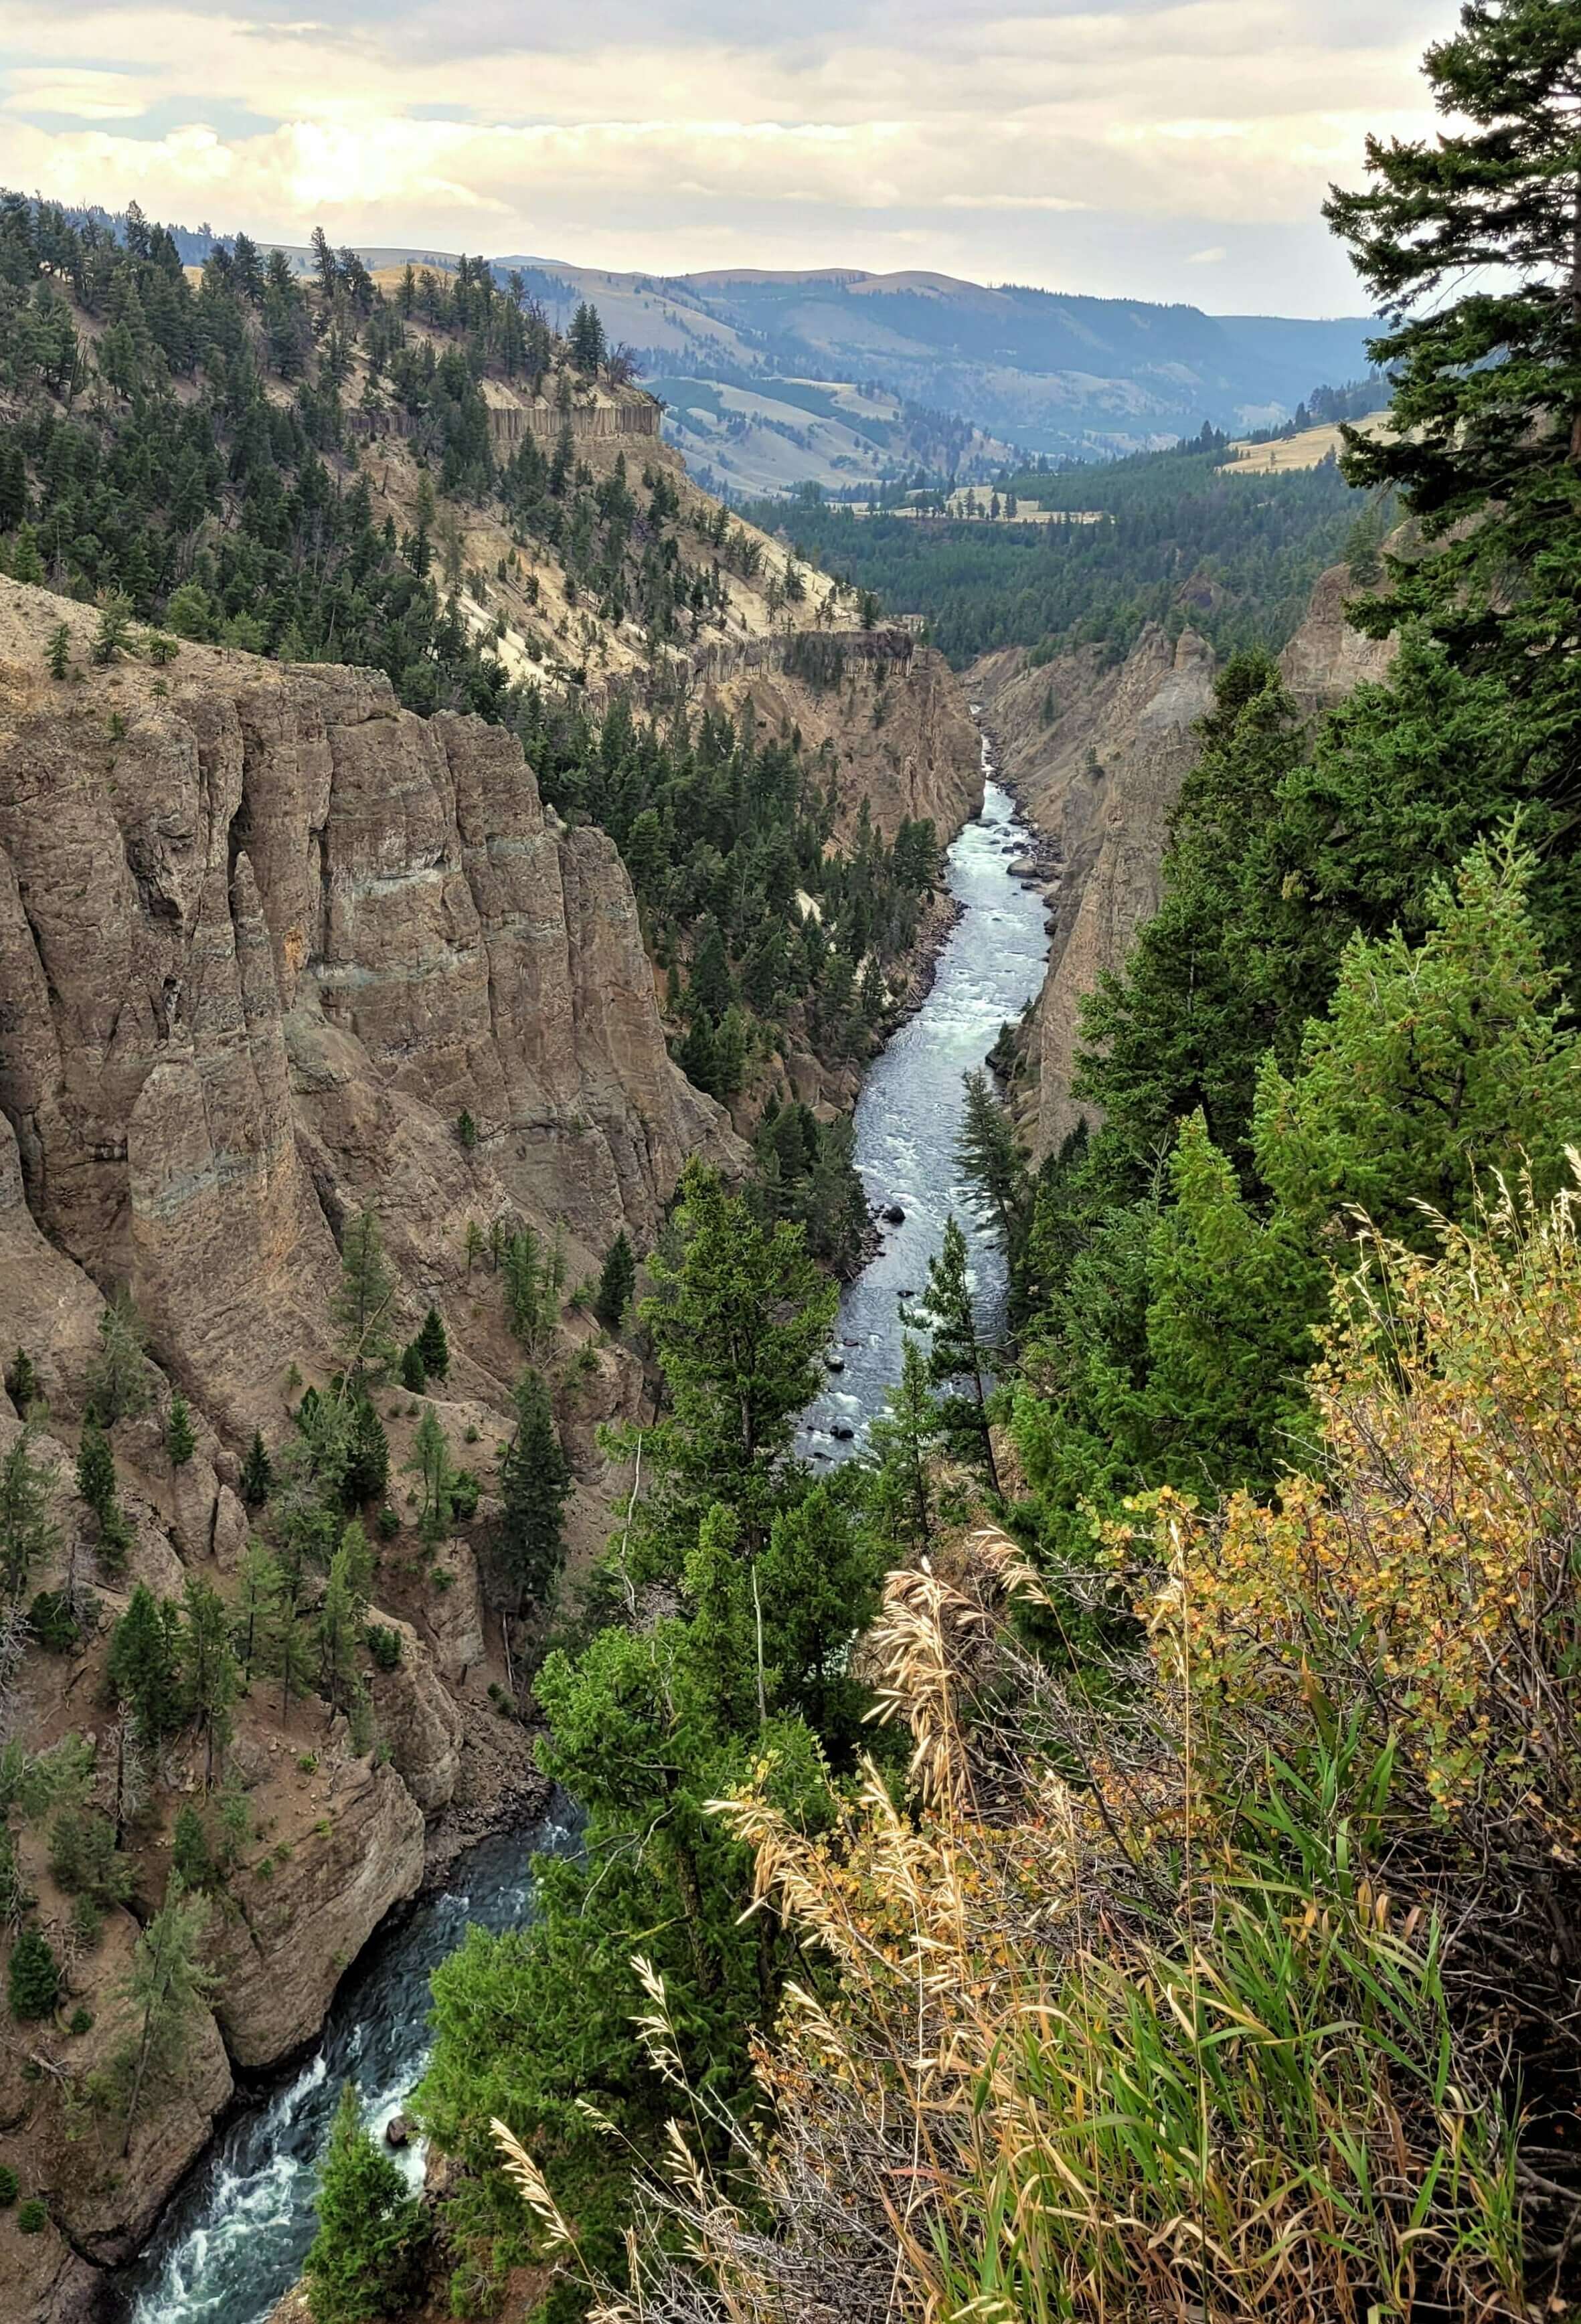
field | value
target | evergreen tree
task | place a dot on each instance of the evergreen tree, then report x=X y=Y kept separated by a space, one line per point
x=180 y=1442
x=1438 y=1064
x=902 y=1442
x=994 y=1159
x=433 y=1347
x=95 y=1484
x=1472 y=241
x=361 y=1309
x=588 y=346
x=59 y=654
x=414 y=1374
x=617 y=1283
x=260 y=1587
x=145 y=1665
x=946 y=1312
x=736 y=1322
x=341 y=1618
x=363 y=2262
x=430 y=1463
x=21 y=1383
x=257 y=1472
x=117 y=1376
x=164 y=1990
x=367 y=1459
x=209 y=1679
x=33 y=1977
x=28 y=1534
x=535 y=1478
x=191 y=1859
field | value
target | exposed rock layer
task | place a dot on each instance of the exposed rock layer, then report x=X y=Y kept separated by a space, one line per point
x=262 y=938
x=1097 y=756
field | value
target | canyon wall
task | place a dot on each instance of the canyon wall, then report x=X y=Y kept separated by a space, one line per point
x=264 y=937
x=1097 y=753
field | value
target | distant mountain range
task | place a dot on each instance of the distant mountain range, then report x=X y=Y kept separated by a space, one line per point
x=840 y=376
x=1048 y=371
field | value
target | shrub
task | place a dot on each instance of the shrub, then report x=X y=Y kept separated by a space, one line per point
x=384 y=1646
x=81 y=2021
x=10 y=2187
x=388 y=1523
x=33 y=1978
x=31 y=2217
x=52 y=1622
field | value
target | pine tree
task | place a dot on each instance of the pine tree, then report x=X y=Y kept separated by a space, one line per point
x=191 y=1859
x=257 y=1472
x=414 y=1374
x=589 y=348
x=163 y=1991
x=433 y=1346
x=58 y=652
x=341 y=1617
x=260 y=1587
x=145 y=1665
x=209 y=1679
x=95 y=1484
x=28 y=1535
x=946 y=1312
x=367 y=1459
x=475 y=1243
x=902 y=1442
x=534 y=1481
x=180 y=1442
x=21 y=1383
x=363 y=2260
x=1472 y=241
x=617 y=1282
x=994 y=1159
x=117 y=1376
x=1438 y=1066
x=33 y=1978
x=738 y=1323
x=360 y=1308
x=431 y=1464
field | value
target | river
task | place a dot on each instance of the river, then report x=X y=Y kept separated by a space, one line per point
x=910 y=1112
x=234 y=2240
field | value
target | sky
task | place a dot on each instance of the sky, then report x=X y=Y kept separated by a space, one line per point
x=1155 y=149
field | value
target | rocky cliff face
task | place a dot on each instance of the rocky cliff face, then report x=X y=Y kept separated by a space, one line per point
x=262 y=938
x=896 y=732
x=1097 y=756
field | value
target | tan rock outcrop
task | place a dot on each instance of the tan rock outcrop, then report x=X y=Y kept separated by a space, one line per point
x=264 y=935
x=302 y=1923
x=1099 y=778
x=419 y=1721
x=1097 y=756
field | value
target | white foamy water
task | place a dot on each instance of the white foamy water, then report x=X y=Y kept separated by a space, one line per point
x=909 y=1113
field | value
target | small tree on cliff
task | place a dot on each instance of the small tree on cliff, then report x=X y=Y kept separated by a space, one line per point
x=164 y=1990
x=180 y=1442
x=27 y=1534
x=958 y=1357
x=433 y=1346
x=361 y=1310
x=534 y=1479
x=257 y=1472
x=364 y=2258
x=616 y=1283
x=589 y=346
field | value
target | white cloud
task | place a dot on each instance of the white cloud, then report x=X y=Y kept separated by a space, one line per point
x=690 y=133
x=1214 y=256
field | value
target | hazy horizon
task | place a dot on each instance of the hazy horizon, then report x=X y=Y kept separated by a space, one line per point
x=1167 y=150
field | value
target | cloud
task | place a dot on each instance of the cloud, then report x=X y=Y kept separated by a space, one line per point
x=1044 y=139
x=1214 y=256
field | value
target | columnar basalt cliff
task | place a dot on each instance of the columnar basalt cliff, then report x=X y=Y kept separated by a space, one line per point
x=1097 y=754
x=265 y=937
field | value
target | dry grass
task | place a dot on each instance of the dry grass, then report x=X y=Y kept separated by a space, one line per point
x=1235 y=1979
